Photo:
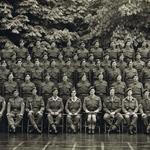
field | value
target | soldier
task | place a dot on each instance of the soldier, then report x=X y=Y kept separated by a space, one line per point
x=121 y=63
x=92 y=105
x=2 y=107
x=7 y=52
x=83 y=69
x=9 y=86
x=112 y=109
x=54 y=108
x=128 y=51
x=15 y=111
x=106 y=62
x=19 y=72
x=137 y=88
x=60 y=61
x=146 y=75
x=35 y=109
x=21 y=52
x=144 y=51
x=64 y=88
x=37 y=74
x=68 y=51
x=138 y=64
x=97 y=70
x=130 y=109
x=73 y=108
x=91 y=62
x=45 y=62
x=4 y=72
x=97 y=51
x=68 y=70
x=26 y=87
x=54 y=72
x=46 y=88
x=28 y=65
x=53 y=51
x=144 y=109
x=113 y=51
x=37 y=51
x=113 y=72
x=83 y=87
x=119 y=87
x=101 y=86
x=129 y=73
x=82 y=52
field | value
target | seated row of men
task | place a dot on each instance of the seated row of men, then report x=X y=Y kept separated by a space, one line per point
x=115 y=110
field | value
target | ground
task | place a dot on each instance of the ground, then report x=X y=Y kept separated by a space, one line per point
x=74 y=142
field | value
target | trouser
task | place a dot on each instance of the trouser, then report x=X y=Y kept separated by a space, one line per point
x=146 y=119
x=131 y=120
x=14 y=119
x=118 y=118
x=91 y=120
x=54 y=119
x=35 y=118
x=73 y=119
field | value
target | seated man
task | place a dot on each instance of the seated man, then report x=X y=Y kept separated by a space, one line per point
x=54 y=108
x=35 y=109
x=92 y=105
x=2 y=107
x=73 y=108
x=130 y=109
x=15 y=111
x=144 y=109
x=112 y=109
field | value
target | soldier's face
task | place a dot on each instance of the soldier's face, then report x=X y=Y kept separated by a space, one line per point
x=27 y=78
x=83 y=63
x=29 y=58
x=47 y=78
x=130 y=93
x=53 y=45
x=45 y=57
x=11 y=77
x=4 y=64
x=75 y=57
x=107 y=57
x=91 y=58
x=82 y=45
x=112 y=92
x=97 y=44
x=65 y=78
x=53 y=63
x=131 y=64
x=136 y=78
x=84 y=78
x=60 y=56
x=34 y=91
x=119 y=78
x=69 y=44
x=148 y=64
x=100 y=77
x=21 y=44
x=114 y=64
x=38 y=44
x=19 y=63
x=68 y=63
x=73 y=93
x=92 y=91
x=55 y=92
x=37 y=63
x=138 y=57
x=121 y=57
x=146 y=94
x=16 y=93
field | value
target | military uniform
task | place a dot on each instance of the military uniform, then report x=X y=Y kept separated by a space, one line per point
x=9 y=87
x=130 y=109
x=53 y=53
x=45 y=64
x=92 y=105
x=101 y=88
x=112 y=104
x=46 y=90
x=15 y=111
x=35 y=109
x=73 y=108
x=28 y=65
x=83 y=89
x=26 y=89
x=122 y=66
x=97 y=52
x=128 y=75
x=146 y=76
x=128 y=53
x=144 y=108
x=120 y=88
x=145 y=53
x=54 y=108
x=113 y=53
x=106 y=64
x=68 y=52
x=64 y=90
x=21 y=53
x=83 y=53
x=37 y=52
x=2 y=107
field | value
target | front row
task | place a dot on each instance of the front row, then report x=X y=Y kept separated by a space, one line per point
x=115 y=110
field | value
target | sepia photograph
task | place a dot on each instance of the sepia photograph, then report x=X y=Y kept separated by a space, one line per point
x=74 y=74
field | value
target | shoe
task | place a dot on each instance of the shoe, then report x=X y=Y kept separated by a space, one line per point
x=148 y=130
x=38 y=130
x=93 y=131
x=89 y=131
x=131 y=132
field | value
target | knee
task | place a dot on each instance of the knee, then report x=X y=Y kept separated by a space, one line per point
x=89 y=118
x=106 y=116
x=127 y=116
x=59 y=116
x=78 y=117
x=30 y=114
x=119 y=116
x=135 y=116
x=94 y=118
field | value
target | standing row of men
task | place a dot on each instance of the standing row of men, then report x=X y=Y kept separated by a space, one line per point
x=115 y=110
